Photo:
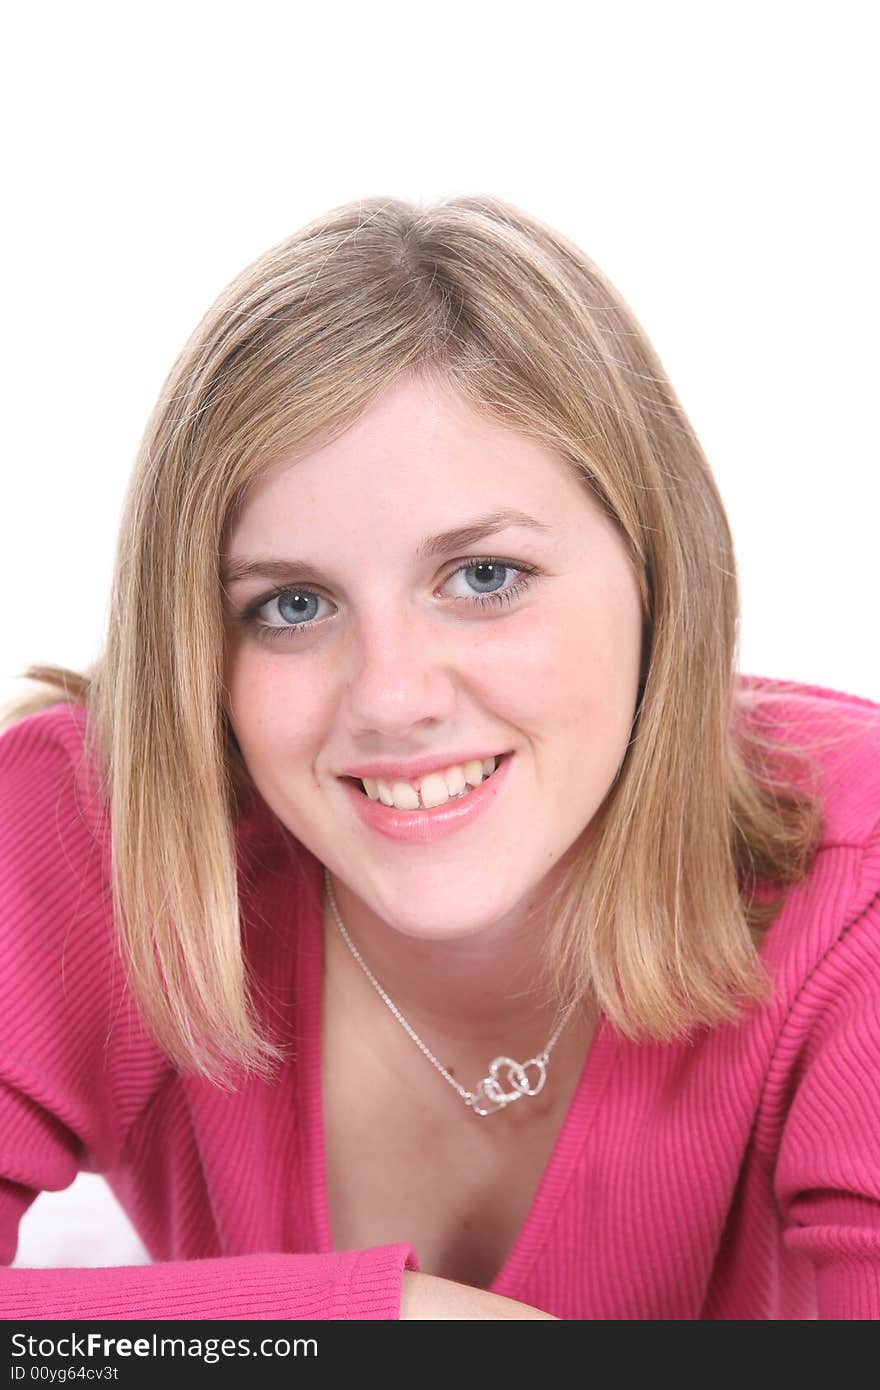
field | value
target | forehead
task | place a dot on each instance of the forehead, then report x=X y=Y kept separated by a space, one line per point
x=419 y=453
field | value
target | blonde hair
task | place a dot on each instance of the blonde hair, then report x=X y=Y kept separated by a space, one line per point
x=661 y=922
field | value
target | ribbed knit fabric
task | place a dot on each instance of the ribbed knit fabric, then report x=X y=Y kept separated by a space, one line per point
x=732 y=1175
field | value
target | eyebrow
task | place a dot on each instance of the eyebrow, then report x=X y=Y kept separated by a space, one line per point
x=459 y=538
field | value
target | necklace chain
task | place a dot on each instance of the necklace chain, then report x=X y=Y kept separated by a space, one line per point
x=490 y=1094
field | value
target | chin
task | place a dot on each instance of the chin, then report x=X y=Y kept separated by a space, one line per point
x=440 y=914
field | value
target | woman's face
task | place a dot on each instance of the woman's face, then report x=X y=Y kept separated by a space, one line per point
x=379 y=650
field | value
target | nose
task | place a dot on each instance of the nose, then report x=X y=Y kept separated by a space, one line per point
x=402 y=671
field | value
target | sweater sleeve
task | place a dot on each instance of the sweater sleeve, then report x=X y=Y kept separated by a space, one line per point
x=77 y=1070
x=828 y=1167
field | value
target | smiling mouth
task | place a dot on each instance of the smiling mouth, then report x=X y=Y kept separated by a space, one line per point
x=454 y=796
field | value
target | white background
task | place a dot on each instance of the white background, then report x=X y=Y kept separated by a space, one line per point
x=718 y=162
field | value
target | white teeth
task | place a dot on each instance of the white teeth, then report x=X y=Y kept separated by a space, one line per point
x=404 y=796
x=473 y=773
x=455 y=780
x=435 y=788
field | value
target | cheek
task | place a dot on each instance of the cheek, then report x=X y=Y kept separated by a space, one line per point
x=592 y=701
x=268 y=719
x=571 y=664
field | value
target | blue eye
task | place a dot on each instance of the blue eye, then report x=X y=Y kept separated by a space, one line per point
x=291 y=599
x=496 y=573
x=297 y=605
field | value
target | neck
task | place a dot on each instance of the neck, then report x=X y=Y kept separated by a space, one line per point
x=477 y=996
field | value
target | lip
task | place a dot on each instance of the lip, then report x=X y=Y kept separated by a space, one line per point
x=434 y=823
x=417 y=767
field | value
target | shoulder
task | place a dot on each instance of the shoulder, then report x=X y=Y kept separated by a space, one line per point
x=52 y=822
x=54 y=842
x=60 y=725
x=836 y=736
x=67 y=1011
x=829 y=918
x=49 y=749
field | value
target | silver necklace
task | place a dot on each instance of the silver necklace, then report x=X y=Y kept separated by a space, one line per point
x=490 y=1095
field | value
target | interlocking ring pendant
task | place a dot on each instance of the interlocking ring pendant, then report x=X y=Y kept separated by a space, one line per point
x=491 y=1095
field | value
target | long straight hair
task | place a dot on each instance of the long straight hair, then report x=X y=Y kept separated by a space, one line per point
x=710 y=818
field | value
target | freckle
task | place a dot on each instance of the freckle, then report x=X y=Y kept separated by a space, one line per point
x=467 y=1225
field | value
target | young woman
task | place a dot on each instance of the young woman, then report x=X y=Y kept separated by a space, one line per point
x=414 y=913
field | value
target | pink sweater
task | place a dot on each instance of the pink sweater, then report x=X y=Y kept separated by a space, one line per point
x=736 y=1176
